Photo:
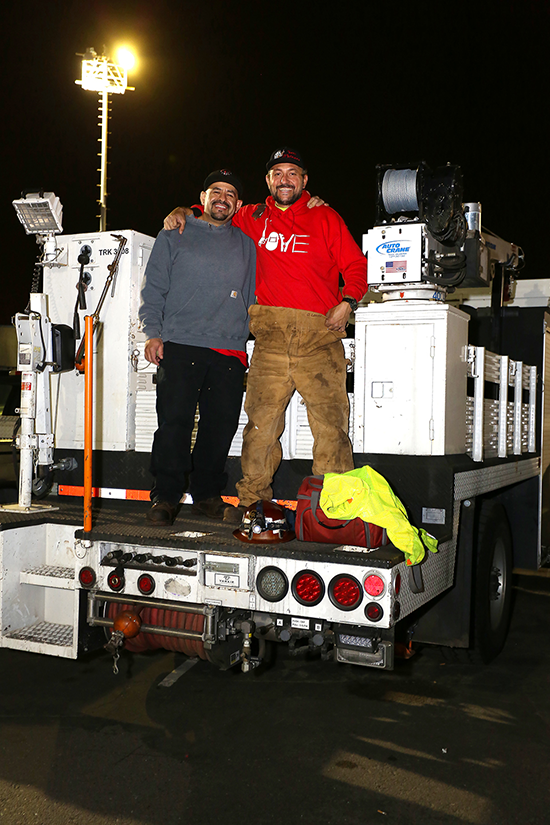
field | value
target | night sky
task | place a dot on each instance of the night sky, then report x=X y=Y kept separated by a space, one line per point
x=223 y=83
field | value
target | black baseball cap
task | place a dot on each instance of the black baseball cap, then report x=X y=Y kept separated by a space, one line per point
x=285 y=155
x=225 y=176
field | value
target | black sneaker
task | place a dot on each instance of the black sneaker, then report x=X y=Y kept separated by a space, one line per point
x=212 y=507
x=161 y=513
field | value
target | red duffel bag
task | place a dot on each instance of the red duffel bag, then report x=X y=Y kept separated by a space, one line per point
x=313 y=525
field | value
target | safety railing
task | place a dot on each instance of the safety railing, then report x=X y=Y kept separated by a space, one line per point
x=501 y=414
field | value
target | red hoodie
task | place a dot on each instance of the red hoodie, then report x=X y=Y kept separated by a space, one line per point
x=300 y=253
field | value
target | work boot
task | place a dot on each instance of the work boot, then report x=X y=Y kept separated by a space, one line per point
x=162 y=513
x=213 y=507
x=234 y=515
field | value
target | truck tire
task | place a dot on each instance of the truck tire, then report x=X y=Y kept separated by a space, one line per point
x=492 y=582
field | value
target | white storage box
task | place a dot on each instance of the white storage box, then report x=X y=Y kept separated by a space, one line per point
x=410 y=378
x=115 y=352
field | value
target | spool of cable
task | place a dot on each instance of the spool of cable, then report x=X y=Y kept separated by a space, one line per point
x=399 y=191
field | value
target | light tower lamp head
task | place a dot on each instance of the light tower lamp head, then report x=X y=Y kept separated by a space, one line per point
x=41 y=214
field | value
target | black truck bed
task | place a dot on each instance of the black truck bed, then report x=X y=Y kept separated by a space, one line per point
x=123 y=522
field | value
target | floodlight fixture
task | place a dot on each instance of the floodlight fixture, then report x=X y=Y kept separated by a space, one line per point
x=41 y=213
x=102 y=75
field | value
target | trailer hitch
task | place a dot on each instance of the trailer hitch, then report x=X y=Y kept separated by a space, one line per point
x=125 y=626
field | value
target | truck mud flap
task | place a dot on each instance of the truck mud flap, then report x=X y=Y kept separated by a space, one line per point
x=416 y=582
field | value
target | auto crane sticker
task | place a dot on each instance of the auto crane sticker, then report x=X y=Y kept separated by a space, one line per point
x=394 y=249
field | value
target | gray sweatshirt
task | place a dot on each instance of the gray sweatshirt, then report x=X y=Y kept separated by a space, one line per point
x=198 y=286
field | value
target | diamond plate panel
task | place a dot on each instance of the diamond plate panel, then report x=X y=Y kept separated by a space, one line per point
x=44 y=633
x=7 y=423
x=50 y=570
x=437 y=573
x=476 y=482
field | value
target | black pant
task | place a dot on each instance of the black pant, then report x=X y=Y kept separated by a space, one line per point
x=187 y=376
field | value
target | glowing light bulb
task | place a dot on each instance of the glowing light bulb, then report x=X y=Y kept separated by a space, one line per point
x=125 y=58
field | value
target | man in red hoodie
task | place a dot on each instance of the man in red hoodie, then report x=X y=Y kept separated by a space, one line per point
x=298 y=322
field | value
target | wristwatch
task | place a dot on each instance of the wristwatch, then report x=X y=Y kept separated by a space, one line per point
x=352 y=302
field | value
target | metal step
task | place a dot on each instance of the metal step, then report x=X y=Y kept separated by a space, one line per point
x=50 y=570
x=44 y=633
x=48 y=575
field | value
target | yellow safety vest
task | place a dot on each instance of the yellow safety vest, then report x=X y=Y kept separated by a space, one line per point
x=365 y=494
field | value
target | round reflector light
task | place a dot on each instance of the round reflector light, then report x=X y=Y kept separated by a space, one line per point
x=146 y=584
x=374 y=585
x=115 y=581
x=128 y=623
x=308 y=587
x=374 y=612
x=345 y=592
x=272 y=584
x=86 y=577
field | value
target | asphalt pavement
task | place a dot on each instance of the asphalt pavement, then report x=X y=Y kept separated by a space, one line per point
x=300 y=742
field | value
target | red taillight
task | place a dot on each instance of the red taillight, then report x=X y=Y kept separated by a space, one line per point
x=86 y=577
x=308 y=587
x=374 y=612
x=115 y=581
x=146 y=584
x=345 y=592
x=397 y=584
x=374 y=585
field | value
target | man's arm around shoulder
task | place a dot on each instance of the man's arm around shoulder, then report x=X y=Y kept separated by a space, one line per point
x=177 y=218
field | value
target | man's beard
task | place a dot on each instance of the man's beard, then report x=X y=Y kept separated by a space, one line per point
x=290 y=201
x=219 y=216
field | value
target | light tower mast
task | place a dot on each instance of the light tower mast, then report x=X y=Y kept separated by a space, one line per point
x=100 y=74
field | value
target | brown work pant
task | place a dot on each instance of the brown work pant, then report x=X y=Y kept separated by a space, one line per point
x=293 y=351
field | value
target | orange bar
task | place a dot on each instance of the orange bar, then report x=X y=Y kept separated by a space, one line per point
x=143 y=495
x=289 y=504
x=138 y=495
x=231 y=500
x=88 y=420
x=69 y=490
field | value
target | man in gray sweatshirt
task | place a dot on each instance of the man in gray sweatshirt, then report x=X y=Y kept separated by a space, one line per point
x=194 y=311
